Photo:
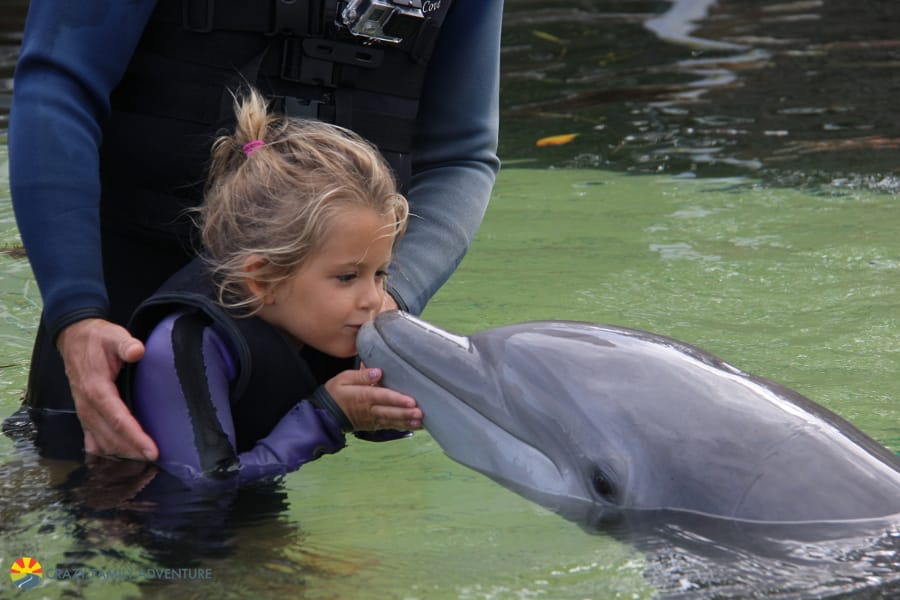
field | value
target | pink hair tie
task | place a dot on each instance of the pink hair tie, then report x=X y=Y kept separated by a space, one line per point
x=252 y=146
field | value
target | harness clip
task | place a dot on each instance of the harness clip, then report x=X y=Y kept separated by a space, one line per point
x=290 y=17
x=197 y=15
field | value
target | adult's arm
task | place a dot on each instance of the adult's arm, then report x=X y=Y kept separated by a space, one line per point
x=454 y=161
x=73 y=54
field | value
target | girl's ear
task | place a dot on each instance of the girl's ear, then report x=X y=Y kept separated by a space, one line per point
x=257 y=288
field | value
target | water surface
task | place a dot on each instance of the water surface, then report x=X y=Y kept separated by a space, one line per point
x=791 y=285
x=797 y=92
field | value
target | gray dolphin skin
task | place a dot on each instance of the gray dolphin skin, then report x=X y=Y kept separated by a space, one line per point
x=592 y=420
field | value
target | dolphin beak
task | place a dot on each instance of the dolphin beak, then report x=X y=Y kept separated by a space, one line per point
x=447 y=360
x=397 y=329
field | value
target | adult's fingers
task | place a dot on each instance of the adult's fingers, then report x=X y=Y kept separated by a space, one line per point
x=93 y=351
x=111 y=430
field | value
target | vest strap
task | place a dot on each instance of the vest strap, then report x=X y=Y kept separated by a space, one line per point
x=269 y=17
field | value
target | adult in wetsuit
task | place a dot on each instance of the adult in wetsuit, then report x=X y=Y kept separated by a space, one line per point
x=99 y=180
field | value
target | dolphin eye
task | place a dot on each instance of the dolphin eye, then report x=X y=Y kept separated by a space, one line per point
x=603 y=486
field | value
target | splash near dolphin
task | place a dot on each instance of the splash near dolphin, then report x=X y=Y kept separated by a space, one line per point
x=592 y=420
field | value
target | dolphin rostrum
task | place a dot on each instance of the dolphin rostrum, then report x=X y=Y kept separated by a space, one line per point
x=591 y=420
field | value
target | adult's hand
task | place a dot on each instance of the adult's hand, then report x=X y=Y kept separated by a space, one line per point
x=93 y=351
x=370 y=407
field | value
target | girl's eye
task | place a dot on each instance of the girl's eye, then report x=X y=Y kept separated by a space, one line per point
x=346 y=277
x=381 y=275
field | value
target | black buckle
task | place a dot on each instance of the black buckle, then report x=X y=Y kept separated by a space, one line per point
x=302 y=69
x=312 y=60
x=290 y=17
x=366 y=57
x=296 y=107
x=197 y=15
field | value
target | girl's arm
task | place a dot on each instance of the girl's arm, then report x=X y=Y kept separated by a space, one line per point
x=181 y=398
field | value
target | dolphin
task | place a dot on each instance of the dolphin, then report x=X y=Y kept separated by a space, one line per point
x=590 y=420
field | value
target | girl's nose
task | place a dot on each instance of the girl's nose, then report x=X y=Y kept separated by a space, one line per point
x=373 y=295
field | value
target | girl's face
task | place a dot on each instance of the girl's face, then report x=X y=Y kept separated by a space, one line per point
x=339 y=287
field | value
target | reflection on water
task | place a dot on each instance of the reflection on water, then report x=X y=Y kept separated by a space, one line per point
x=693 y=556
x=797 y=91
x=12 y=21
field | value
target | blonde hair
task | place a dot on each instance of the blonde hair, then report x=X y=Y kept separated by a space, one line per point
x=276 y=187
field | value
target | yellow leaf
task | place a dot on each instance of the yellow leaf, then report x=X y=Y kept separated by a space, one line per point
x=556 y=140
x=548 y=37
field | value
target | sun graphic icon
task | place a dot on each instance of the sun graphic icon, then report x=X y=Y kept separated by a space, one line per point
x=26 y=573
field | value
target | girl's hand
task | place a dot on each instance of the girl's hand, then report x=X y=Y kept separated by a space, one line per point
x=369 y=406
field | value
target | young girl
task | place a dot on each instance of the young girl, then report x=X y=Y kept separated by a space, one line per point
x=248 y=370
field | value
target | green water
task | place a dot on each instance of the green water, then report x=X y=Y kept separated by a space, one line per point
x=796 y=286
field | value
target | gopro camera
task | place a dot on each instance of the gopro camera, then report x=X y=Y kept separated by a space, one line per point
x=385 y=21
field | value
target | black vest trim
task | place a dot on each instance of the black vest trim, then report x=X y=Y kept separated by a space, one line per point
x=215 y=452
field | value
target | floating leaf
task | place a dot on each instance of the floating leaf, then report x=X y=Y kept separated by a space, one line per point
x=556 y=140
x=547 y=37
